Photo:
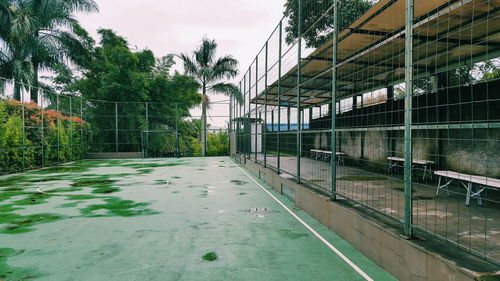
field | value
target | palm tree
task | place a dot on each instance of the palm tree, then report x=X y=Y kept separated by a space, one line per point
x=15 y=56
x=211 y=73
x=38 y=35
x=54 y=40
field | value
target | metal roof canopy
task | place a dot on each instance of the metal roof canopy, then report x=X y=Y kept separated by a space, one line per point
x=447 y=34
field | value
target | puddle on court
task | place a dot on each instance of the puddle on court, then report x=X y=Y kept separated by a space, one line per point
x=290 y=234
x=162 y=182
x=259 y=212
x=239 y=182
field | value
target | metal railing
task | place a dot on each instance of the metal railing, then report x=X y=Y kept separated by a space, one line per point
x=325 y=78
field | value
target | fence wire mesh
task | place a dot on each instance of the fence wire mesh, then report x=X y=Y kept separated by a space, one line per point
x=427 y=157
x=62 y=128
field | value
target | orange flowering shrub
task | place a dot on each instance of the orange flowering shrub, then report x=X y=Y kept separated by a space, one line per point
x=31 y=136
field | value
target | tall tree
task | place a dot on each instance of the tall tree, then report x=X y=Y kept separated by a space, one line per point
x=118 y=74
x=212 y=73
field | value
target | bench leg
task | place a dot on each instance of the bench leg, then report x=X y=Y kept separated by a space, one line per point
x=469 y=191
x=479 y=199
x=438 y=187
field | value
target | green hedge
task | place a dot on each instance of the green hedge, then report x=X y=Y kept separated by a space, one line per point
x=32 y=137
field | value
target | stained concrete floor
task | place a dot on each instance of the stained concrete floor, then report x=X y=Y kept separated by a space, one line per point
x=155 y=219
x=475 y=228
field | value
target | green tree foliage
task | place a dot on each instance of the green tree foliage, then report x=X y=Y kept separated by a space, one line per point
x=118 y=74
x=217 y=145
x=317 y=20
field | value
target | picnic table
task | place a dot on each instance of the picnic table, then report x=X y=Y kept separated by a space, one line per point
x=326 y=155
x=399 y=162
x=470 y=182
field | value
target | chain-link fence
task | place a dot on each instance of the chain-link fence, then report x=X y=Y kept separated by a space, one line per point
x=62 y=128
x=428 y=158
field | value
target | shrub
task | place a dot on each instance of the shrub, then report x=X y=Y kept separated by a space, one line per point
x=32 y=137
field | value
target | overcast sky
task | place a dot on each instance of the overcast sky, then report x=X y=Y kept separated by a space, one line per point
x=167 y=26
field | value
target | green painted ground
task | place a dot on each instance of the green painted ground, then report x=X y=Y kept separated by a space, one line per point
x=165 y=219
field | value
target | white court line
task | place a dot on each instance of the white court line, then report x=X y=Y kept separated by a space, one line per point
x=339 y=253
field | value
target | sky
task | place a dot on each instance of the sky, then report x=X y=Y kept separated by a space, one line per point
x=171 y=26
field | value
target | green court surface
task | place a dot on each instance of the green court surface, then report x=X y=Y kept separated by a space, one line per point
x=155 y=219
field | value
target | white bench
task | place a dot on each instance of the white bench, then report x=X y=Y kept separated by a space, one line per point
x=326 y=155
x=315 y=153
x=399 y=162
x=479 y=183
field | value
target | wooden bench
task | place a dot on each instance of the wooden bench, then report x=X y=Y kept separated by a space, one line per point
x=399 y=162
x=478 y=183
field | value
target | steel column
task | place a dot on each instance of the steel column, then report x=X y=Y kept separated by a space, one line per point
x=299 y=61
x=333 y=166
x=280 y=50
x=408 y=118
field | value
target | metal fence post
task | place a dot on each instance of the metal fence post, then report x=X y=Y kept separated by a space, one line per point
x=23 y=148
x=81 y=127
x=333 y=166
x=116 y=127
x=408 y=118
x=246 y=119
x=264 y=128
x=147 y=116
x=58 y=131
x=250 y=110
x=230 y=125
x=255 y=101
x=240 y=133
x=177 y=136
x=42 y=131
x=71 y=128
x=280 y=49
x=299 y=60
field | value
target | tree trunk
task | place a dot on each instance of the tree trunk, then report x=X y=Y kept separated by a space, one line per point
x=204 y=123
x=34 y=89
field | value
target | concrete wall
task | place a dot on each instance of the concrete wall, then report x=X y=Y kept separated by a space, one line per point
x=233 y=143
x=470 y=151
x=380 y=239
